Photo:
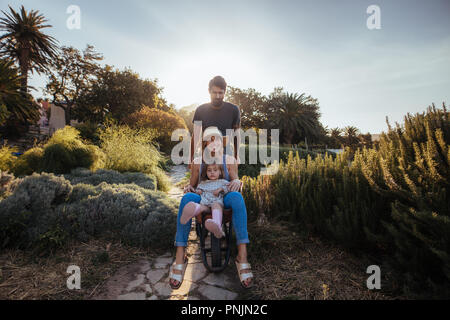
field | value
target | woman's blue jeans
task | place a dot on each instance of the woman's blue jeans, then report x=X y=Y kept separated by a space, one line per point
x=232 y=200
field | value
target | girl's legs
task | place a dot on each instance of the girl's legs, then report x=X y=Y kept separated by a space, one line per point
x=217 y=213
x=190 y=210
x=235 y=201
x=214 y=225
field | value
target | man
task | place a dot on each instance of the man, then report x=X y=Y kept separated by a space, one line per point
x=217 y=113
x=222 y=115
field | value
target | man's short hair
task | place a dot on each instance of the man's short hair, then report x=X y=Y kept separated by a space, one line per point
x=218 y=81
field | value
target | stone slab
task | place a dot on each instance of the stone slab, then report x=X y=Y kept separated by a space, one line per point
x=215 y=293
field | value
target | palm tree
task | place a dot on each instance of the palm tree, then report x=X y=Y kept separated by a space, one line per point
x=295 y=114
x=24 y=42
x=18 y=107
x=335 y=132
x=351 y=134
x=336 y=136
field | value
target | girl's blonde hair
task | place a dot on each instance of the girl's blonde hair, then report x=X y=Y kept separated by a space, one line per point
x=204 y=176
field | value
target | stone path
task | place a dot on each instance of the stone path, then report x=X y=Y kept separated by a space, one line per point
x=149 y=279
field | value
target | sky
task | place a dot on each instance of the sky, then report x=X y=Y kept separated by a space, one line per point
x=321 y=48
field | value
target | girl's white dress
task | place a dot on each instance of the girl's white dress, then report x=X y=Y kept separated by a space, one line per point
x=208 y=186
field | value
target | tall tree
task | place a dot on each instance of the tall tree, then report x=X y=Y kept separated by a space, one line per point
x=251 y=104
x=120 y=93
x=25 y=43
x=17 y=108
x=73 y=74
x=336 y=137
x=294 y=115
x=351 y=135
x=187 y=113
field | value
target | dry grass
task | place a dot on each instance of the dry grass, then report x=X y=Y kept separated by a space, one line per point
x=24 y=275
x=287 y=266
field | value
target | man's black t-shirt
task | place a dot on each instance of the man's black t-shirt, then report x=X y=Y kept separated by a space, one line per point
x=224 y=118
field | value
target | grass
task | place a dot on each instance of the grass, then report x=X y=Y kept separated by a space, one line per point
x=304 y=268
x=24 y=275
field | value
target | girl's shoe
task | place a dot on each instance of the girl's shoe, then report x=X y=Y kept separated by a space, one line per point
x=214 y=228
x=188 y=212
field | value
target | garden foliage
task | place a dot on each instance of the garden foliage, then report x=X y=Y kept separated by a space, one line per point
x=392 y=199
x=44 y=211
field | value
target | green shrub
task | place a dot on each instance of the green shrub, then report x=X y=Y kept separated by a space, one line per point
x=55 y=237
x=321 y=195
x=85 y=176
x=124 y=212
x=164 y=123
x=253 y=170
x=7 y=184
x=132 y=150
x=27 y=216
x=82 y=191
x=163 y=181
x=393 y=200
x=165 y=163
x=29 y=162
x=44 y=211
x=66 y=151
x=89 y=131
x=7 y=159
x=411 y=171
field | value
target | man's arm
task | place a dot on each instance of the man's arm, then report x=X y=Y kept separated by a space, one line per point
x=196 y=142
x=237 y=142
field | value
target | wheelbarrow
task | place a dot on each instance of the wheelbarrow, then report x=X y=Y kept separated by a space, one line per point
x=219 y=251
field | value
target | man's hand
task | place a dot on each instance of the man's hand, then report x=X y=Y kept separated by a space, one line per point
x=234 y=185
x=189 y=188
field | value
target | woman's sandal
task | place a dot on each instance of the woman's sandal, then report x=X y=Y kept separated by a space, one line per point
x=244 y=276
x=175 y=276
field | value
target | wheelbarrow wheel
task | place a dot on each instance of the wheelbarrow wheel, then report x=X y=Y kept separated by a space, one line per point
x=198 y=230
x=216 y=252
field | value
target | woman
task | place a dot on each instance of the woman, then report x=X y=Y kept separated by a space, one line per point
x=232 y=199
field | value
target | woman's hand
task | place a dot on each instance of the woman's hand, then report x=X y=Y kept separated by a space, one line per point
x=234 y=185
x=189 y=188
x=217 y=191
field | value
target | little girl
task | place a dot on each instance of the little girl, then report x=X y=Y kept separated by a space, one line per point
x=212 y=188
